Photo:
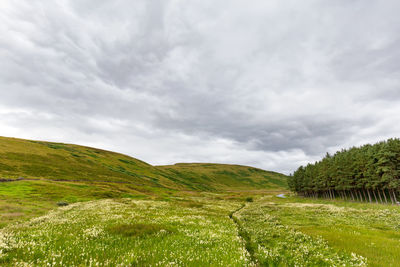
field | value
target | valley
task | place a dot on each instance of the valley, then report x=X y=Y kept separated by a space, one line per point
x=88 y=207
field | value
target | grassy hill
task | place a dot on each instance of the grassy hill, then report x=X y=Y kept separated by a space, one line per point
x=56 y=161
x=65 y=162
x=55 y=172
x=208 y=176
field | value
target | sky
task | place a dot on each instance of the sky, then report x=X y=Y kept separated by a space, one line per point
x=271 y=84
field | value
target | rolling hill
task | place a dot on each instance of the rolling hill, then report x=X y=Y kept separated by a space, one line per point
x=29 y=159
x=211 y=176
x=46 y=173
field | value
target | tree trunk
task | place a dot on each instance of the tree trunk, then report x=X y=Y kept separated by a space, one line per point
x=369 y=196
x=379 y=194
x=359 y=193
x=365 y=195
x=394 y=196
x=384 y=195
x=391 y=197
x=376 y=200
x=356 y=195
x=352 y=196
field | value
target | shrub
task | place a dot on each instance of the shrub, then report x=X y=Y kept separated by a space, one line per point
x=137 y=229
x=62 y=204
x=249 y=199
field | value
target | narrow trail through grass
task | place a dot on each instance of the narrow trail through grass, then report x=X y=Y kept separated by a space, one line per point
x=243 y=234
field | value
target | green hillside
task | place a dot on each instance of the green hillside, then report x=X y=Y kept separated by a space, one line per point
x=207 y=176
x=55 y=172
x=64 y=162
x=56 y=161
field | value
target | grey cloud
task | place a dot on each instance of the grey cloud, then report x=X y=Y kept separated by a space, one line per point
x=266 y=84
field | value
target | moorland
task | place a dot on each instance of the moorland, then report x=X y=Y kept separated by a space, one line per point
x=70 y=205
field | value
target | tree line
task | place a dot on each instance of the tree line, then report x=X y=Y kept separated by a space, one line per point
x=370 y=173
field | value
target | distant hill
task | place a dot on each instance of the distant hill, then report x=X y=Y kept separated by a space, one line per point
x=209 y=176
x=56 y=161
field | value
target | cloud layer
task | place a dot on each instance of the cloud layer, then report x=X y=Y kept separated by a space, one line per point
x=270 y=84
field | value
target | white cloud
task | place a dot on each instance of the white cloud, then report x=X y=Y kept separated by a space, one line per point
x=266 y=83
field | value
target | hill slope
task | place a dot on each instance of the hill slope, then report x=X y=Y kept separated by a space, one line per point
x=208 y=176
x=57 y=161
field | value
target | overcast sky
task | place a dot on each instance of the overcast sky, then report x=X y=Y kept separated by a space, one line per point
x=271 y=84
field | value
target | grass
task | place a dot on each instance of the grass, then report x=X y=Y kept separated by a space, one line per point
x=369 y=230
x=205 y=229
x=87 y=206
x=55 y=161
x=22 y=200
x=127 y=232
x=137 y=229
x=71 y=173
x=217 y=177
x=66 y=162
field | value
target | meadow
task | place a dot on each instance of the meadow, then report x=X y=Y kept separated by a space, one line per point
x=136 y=214
x=126 y=232
x=204 y=229
x=369 y=230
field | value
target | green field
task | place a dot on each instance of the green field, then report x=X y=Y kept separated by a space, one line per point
x=207 y=229
x=178 y=215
